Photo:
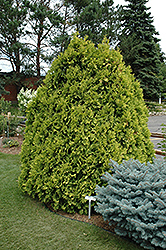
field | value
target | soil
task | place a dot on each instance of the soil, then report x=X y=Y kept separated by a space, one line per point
x=95 y=218
x=12 y=150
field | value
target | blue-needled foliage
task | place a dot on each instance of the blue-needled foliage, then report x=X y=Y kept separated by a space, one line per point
x=134 y=199
x=90 y=109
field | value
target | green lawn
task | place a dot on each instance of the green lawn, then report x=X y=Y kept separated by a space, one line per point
x=27 y=224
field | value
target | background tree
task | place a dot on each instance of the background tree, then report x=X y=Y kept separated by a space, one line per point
x=43 y=19
x=2 y=86
x=139 y=46
x=12 y=22
x=163 y=78
x=96 y=19
x=34 y=32
x=110 y=21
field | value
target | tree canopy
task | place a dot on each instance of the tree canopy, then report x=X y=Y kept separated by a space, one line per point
x=34 y=32
x=139 y=46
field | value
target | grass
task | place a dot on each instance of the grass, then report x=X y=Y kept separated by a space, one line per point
x=27 y=224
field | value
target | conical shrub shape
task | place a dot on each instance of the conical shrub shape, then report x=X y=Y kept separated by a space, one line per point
x=90 y=109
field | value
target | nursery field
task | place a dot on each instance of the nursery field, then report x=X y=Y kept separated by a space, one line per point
x=27 y=224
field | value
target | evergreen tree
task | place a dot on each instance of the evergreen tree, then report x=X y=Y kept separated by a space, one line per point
x=43 y=19
x=12 y=21
x=96 y=19
x=2 y=86
x=110 y=21
x=91 y=108
x=139 y=46
x=163 y=78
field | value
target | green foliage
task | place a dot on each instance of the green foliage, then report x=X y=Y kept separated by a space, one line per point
x=4 y=106
x=13 y=124
x=140 y=48
x=12 y=20
x=3 y=124
x=8 y=143
x=163 y=77
x=2 y=87
x=135 y=201
x=162 y=145
x=7 y=125
x=90 y=109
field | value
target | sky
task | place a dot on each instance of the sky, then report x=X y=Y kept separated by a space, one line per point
x=157 y=9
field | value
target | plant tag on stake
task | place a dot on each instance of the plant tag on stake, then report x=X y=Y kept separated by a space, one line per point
x=90 y=198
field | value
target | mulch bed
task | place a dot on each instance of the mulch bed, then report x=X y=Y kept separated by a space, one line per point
x=12 y=150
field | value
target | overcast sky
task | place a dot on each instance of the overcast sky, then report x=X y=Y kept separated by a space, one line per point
x=157 y=9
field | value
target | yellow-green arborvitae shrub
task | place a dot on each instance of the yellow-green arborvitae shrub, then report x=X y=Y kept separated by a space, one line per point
x=90 y=109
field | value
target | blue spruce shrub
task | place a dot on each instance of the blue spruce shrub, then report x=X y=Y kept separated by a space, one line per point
x=134 y=199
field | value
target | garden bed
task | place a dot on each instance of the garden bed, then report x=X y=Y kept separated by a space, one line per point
x=12 y=150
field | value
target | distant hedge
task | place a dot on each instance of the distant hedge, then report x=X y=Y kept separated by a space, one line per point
x=90 y=109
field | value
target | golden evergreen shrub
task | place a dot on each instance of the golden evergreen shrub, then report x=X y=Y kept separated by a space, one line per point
x=90 y=109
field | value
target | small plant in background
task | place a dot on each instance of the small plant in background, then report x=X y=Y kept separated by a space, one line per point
x=4 y=105
x=134 y=200
x=24 y=97
x=3 y=124
x=13 y=125
x=4 y=108
x=162 y=145
x=10 y=143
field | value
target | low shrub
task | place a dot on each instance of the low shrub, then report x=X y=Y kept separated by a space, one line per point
x=135 y=201
x=4 y=105
x=10 y=143
x=3 y=124
x=13 y=125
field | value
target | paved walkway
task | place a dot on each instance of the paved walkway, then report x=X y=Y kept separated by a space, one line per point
x=154 y=125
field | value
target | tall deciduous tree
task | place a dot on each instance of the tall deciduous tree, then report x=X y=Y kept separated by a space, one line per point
x=139 y=46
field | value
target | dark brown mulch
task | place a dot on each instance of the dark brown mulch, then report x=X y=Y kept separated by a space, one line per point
x=12 y=150
x=95 y=219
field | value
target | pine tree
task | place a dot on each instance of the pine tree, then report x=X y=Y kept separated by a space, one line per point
x=2 y=86
x=95 y=19
x=90 y=109
x=12 y=21
x=139 y=46
x=110 y=21
x=43 y=19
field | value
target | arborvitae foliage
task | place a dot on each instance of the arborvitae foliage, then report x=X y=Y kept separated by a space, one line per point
x=139 y=46
x=90 y=109
x=135 y=201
